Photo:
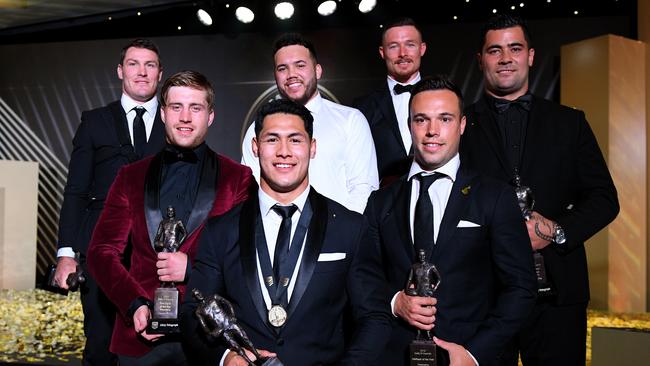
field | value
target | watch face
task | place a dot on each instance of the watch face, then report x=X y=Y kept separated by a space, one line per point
x=559 y=237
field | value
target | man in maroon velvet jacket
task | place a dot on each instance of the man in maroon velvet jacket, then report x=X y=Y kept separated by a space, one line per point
x=187 y=175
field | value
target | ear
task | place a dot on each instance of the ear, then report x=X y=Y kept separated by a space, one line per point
x=312 y=149
x=463 y=122
x=319 y=71
x=381 y=52
x=255 y=147
x=120 y=74
x=160 y=74
x=162 y=113
x=211 y=118
x=531 y=56
x=423 y=48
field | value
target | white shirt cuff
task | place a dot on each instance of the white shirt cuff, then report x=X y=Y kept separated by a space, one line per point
x=392 y=304
x=223 y=358
x=65 y=252
x=470 y=355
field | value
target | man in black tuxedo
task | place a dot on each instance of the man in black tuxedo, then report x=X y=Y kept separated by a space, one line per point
x=471 y=229
x=386 y=108
x=290 y=298
x=107 y=138
x=553 y=151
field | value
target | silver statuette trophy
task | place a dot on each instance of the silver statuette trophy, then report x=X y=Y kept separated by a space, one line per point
x=526 y=201
x=170 y=236
x=217 y=318
x=423 y=280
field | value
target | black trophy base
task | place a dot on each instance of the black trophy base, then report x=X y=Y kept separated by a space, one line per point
x=544 y=288
x=271 y=361
x=163 y=326
x=422 y=353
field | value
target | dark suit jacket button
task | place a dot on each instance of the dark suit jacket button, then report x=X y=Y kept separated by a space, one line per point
x=279 y=341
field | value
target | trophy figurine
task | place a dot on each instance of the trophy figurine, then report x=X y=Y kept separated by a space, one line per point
x=423 y=280
x=170 y=236
x=526 y=202
x=217 y=318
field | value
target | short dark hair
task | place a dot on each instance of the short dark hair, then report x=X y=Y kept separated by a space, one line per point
x=399 y=22
x=291 y=39
x=439 y=82
x=141 y=43
x=503 y=21
x=190 y=79
x=287 y=107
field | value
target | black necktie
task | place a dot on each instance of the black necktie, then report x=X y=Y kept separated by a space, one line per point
x=282 y=243
x=523 y=101
x=423 y=220
x=139 y=132
x=399 y=88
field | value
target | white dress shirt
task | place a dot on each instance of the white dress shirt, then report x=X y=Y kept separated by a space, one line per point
x=401 y=105
x=151 y=107
x=345 y=166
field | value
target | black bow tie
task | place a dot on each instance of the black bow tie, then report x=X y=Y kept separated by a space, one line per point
x=172 y=155
x=399 y=88
x=523 y=101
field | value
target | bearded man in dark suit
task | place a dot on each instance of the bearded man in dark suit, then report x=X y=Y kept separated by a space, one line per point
x=550 y=149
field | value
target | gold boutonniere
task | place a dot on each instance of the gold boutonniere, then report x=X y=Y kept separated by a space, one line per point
x=465 y=190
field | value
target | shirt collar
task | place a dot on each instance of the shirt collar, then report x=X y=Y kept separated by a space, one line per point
x=315 y=103
x=449 y=169
x=392 y=82
x=128 y=104
x=267 y=202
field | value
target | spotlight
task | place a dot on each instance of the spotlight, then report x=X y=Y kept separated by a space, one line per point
x=204 y=17
x=366 y=6
x=327 y=7
x=244 y=14
x=284 y=10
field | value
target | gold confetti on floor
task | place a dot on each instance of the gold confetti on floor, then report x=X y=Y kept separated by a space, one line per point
x=37 y=324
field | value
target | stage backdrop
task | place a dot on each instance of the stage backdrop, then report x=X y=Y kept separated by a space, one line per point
x=48 y=85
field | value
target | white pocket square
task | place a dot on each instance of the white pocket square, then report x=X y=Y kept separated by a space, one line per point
x=463 y=223
x=329 y=257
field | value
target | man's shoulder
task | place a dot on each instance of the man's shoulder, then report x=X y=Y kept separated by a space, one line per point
x=338 y=108
x=229 y=220
x=371 y=98
x=97 y=113
x=554 y=107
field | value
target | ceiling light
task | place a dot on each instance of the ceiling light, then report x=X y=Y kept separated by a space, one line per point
x=365 y=6
x=494 y=11
x=204 y=17
x=284 y=10
x=244 y=14
x=327 y=7
x=513 y=7
x=521 y=5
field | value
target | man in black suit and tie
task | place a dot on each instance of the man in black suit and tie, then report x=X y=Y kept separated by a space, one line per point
x=107 y=138
x=290 y=295
x=552 y=150
x=471 y=229
x=386 y=109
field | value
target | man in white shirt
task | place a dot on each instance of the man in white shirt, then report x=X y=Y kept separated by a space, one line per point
x=290 y=261
x=470 y=228
x=386 y=108
x=345 y=168
x=108 y=137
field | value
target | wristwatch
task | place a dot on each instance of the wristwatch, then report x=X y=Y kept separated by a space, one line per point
x=558 y=234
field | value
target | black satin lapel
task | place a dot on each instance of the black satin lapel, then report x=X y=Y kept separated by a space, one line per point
x=313 y=245
x=535 y=132
x=122 y=130
x=250 y=230
x=459 y=197
x=388 y=110
x=401 y=210
x=152 y=197
x=206 y=191
x=157 y=138
x=488 y=125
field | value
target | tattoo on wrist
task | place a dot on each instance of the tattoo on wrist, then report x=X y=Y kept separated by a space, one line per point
x=539 y=233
